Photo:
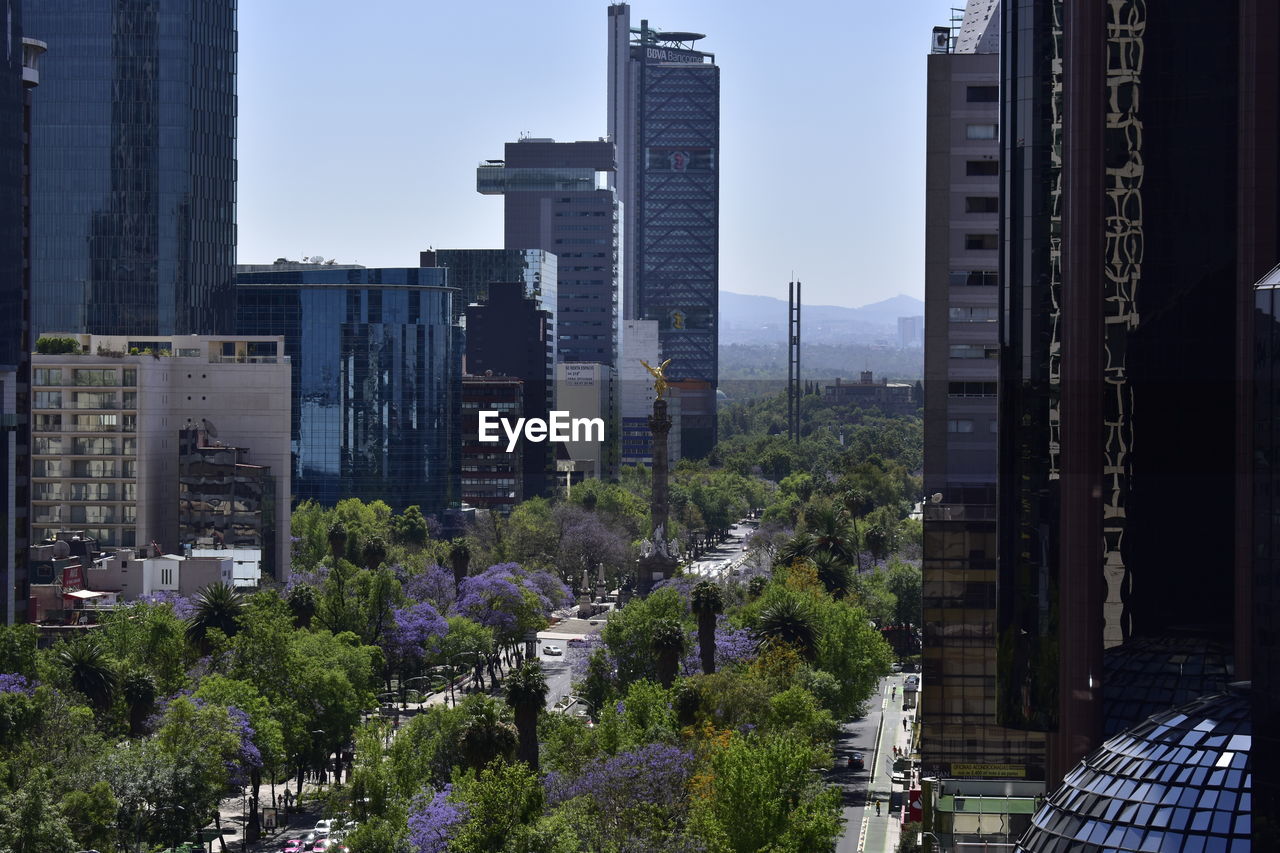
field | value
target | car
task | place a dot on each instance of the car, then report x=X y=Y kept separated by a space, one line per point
x=857 y=761
x=552 y=650
x=577 y=642
x=324 y=826
x=897 y=667
x=293 y=845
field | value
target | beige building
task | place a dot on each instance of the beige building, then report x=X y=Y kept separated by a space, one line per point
x=586 y=390
x=106 y=420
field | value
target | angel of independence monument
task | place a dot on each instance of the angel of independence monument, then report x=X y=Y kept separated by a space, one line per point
x=659 y=556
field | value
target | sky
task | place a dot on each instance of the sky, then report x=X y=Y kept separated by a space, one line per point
x=361 y=126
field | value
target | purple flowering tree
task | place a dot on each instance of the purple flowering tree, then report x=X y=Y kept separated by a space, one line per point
x=509 y=601
x=414 y=633
x=633 y=794
x=432 y=821
x=433 y=586
x=11 y=682
x=182 y=606
x=733 y=645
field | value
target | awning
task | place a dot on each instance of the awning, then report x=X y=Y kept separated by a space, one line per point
x=83 y=593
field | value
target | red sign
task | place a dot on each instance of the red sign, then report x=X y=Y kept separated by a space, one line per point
x=915 y=811
x=72 y=578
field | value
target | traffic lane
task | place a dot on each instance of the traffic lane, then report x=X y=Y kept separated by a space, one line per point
x=857 y=735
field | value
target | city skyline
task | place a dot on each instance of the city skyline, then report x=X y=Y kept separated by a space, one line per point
x=374 y=159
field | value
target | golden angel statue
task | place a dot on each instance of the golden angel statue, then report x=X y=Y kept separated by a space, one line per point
x=659 y=378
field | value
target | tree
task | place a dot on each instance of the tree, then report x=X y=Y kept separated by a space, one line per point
x=303 y=603
x=90 y=671
x=903 y=580
x=788 y=619
x=707 y=602
x=138 y=687
x=485 y=736
x=337 y=541
x=374 y=553
x=527 y=696
x=833 y=572
x=668 y=642
x=832 y=531
x=503 y=801
x=218 y=605
x=31 y=821
x=459 y=561
x=91 y=816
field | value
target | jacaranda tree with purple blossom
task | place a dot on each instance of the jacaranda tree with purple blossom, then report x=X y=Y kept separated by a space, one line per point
x=432 y=820
x=415 y=633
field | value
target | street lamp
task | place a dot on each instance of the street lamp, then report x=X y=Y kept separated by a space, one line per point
x=320 y=774
x=923 y=833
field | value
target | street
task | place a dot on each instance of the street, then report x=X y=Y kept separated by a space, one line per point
x=720 y=561
x=875 y=736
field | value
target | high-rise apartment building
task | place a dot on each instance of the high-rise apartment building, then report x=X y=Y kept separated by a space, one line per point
x=107 y=457
x=492 y=477
x=557 y=197
x=509 y=334
x=664 y=117
x=134 y=167
x=962 y=342
x=377 y=379
x=1140 y=201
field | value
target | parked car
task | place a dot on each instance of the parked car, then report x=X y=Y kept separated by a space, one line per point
x=576 y=642
x=324 y=826
x=552 y=650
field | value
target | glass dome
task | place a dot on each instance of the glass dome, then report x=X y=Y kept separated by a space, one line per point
x=1152 y=674
x=1177 y=783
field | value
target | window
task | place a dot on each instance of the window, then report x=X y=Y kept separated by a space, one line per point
x=971 y=389
x=980 y=131
x=47 y=400
x=974 y=351
x=981 y=204
x=980 y=242
x=982 y=168
x=960 y=426
x=95 y=377
x=47 y=376
x=974 y=278
x=984 y=314
x=982 y=94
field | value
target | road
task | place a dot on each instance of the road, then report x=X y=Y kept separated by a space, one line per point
x=721 y=560
x=875 y=736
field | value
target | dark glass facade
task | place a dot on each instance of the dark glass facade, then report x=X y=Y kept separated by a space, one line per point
x=471 y=271
x=134 y=167
x=664 y=111
x=509 y=335
x=223 y=501
x=555 y=198
x=376 y=364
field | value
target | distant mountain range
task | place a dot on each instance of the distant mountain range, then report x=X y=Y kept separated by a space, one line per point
x=763 y=319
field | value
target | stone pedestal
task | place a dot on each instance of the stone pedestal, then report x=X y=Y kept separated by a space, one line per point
x=652 y=569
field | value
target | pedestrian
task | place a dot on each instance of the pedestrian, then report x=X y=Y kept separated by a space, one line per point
x=877 y=808
x=904 y=725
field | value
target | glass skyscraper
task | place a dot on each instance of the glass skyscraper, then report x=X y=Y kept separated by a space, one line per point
x=664 y=117
x=377 y=380
x=134 y=166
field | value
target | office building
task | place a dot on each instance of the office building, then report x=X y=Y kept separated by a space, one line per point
x=377 y=379
x=510 y=336
x=108 y=420
x=557 y=197
x=492 y=477
x=471 y=271
x=134 y=167
x=587 y=391
x=18 y=76
x=1139 y=207
x=636 y=395
x=960 y=736
x=911 y=331
x=664 y=117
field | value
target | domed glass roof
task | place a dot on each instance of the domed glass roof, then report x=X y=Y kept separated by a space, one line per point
x=1152 y=674
x=1177 y=783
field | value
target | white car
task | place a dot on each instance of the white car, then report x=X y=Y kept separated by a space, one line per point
x=552 y=650
x=324 y=827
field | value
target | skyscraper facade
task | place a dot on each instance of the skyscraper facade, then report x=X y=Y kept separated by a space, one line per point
x=134 y=167
x=556 y=197
x=664 y=117
x=471 y=271
x=1139 y=207
x=958 y=716
x=377 y=379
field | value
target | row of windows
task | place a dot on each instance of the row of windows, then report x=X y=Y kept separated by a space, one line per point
x=980 y=131
x=971 y=389
x=84 y=468
x=55 y=446
x=979 y=314
x=965 y=425
x=974 y=278
x=982 y=168
x=981 y=204
x=981 y=242
x=982 y=94
x=975 y=351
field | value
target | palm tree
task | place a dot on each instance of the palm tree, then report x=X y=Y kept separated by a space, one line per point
x=139 y=690
x=527 y=696
x=218 y=605
x=707 y=602
x=459 y=560
x=788 y=621
x=833 y=572
x=90 y=670
x=337 y=541
x=832 y=532
x=668 y=644
x=484 y=735
x=374 y=553
x=798 y=547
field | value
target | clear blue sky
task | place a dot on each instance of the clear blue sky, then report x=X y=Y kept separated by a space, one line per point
x=361 y=126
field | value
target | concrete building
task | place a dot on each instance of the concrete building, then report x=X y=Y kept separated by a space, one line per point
x=891 y=397
x=664 y=117
x=558 y=197
x=377 y=380
x=133 y=173
x=492 y=478
x=509 y=335
x=911 y=332
x=106 y=453
x=636 y=395
x=959 y=727
x=587 y=391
